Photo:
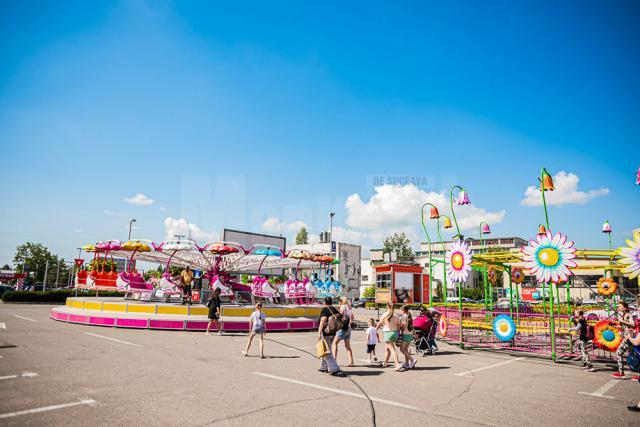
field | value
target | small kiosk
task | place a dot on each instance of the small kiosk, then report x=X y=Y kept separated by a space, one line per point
x=395 y=282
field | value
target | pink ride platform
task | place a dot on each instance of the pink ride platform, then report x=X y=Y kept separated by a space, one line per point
x=119 y=313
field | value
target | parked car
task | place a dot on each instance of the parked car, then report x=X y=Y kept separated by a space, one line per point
x=5 y=288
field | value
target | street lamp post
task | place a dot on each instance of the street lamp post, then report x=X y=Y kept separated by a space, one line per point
x=546 y=184
x=331 y=215
x=131 y=221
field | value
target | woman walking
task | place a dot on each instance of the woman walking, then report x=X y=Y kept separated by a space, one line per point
x=406 y=332
x=345 y=332
x=257 y=326
x=389 y=324
x=214 y=311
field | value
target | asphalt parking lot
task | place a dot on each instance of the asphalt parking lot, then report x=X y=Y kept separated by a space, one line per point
x=61 y=374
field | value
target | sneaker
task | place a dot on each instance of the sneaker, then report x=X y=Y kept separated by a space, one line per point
x=220 y=333
x=618 y=376
x=633 y=408
x=591 y=369
x=413 y=363
x=337 y=373
x=206 y=334
x=323 y=370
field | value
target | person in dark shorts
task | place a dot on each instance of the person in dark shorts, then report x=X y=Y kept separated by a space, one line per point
x=214 y=311
x=187 y=279
x=373 y=338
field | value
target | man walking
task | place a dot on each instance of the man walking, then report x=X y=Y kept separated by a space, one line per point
x=187 y=280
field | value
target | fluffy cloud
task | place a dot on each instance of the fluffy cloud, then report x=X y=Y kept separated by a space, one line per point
x=394 y=207
x=180 y=226
x=566 y=192
x=274 y=225
x=139 y=200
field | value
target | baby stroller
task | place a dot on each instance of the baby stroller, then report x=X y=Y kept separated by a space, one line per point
x=422 y=327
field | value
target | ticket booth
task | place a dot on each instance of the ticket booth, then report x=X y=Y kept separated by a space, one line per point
x=395 y=282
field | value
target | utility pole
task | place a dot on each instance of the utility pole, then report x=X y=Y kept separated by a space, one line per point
x=44 y=282
x=131 y=221
x=57 y=273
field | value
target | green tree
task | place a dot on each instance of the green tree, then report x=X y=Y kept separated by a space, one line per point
x=6 y=267
x=302 y=238
x=36 y=256
x=398 y=243
x=369 y=292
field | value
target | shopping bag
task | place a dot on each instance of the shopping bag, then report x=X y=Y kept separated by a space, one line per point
x=321 y=349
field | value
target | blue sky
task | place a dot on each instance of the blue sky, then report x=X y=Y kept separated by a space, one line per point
x=267 y=115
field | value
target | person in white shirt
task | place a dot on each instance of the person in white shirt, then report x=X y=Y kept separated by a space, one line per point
x=373 y=338
x=257 y=326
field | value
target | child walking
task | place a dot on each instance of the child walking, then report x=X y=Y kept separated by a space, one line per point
x=582 y=328
x=257 y=326
x=373 y=338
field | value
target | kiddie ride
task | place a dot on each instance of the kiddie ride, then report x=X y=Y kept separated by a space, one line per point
x=220 y=262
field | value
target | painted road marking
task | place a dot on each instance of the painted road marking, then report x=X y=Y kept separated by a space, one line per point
x=25 y=318
x=84 y=401
x=602 y=390
x=346 y=393
x=495 y=365
x=3 y=326
x=113 y=339
x=24 y=374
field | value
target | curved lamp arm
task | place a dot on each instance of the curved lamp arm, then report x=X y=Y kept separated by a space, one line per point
x=453 y=212
x=424 y=227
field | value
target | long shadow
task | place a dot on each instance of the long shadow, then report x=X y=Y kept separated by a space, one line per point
x=363 y=373
x=446 y=352
x=279 y=357
x=429 y=368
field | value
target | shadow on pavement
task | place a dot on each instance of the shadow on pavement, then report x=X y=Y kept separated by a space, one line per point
x=363 y=373
x=429 y=368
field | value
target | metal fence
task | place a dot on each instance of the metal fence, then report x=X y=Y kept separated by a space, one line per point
x=533 y=333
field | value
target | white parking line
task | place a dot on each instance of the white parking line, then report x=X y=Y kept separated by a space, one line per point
x=346 y=393
x=25 y=318
x=48 y=408
x=495 y=365
x=3 y=326
x=602 y=390
x=24 y=374
x=113 y=339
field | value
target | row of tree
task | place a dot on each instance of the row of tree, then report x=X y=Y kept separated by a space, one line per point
x=35 y=259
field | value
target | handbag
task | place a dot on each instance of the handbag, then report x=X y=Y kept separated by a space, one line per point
x=322 y=349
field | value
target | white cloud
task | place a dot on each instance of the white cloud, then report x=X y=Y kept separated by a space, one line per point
x=180 y=226
x=114 y=213
x=162 y=209
x=139 y=200
x=273 y=225
x=394 y=207
x=566 y=192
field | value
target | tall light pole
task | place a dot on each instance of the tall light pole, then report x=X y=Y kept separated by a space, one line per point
x=131 y=221
x=331 y=215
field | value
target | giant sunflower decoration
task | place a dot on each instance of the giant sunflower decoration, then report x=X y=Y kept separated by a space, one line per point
x=442 y=325
x=504 y=328
x=631 y=257
x=517 y=275
x=606 y=286
x=550 y=257
x=607 y=336
x=458 y=259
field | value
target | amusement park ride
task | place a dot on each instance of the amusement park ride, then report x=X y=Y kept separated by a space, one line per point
x=220 y=262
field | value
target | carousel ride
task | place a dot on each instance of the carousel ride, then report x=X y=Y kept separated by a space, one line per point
x=243 y=275
x=220 y=262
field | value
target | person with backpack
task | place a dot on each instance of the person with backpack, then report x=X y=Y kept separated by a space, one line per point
x=585 y=334
x=389 y=324
x=329 y=325
x=345 y=331
x=627 y=324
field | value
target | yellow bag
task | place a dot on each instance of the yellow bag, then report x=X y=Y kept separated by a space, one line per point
x=322 y=349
